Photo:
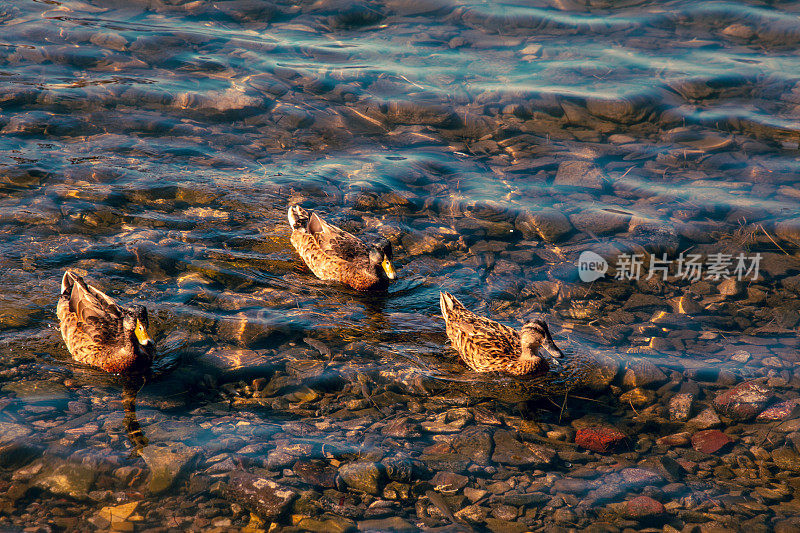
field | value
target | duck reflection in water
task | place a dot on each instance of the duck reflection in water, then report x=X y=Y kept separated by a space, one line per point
x=130 y=388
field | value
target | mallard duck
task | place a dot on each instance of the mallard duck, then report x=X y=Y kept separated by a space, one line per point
x=332 y=254
x=100 y=333
x=487 y=346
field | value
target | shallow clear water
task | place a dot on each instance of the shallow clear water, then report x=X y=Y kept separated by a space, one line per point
x=155 y=147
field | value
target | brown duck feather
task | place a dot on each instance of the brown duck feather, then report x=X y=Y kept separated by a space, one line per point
x=485 y=345
x=336 y=242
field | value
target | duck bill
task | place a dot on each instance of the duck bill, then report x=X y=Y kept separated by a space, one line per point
x=389 y=269
x=141 y=334
x=554 y=351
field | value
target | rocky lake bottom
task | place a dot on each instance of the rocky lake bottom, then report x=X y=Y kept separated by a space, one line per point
x=627 y=171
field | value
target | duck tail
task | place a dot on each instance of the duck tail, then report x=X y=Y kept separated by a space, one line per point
x=298 y=217
x=447 y=302
x=68 y=281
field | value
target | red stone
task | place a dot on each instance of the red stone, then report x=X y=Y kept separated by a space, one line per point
x=689 y=466
x=642 y=507
x=779 y=411
x=599 y=438
x=710 y=441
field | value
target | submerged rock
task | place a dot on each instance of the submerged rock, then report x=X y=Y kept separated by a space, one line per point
x=602 y=375
x=231 y=103
x=623 y=109
x=786 y=459
x=68 y=479
x=640 y=373
x=710 y=441
x=581 y=174
x=789 y=230
x=633 y=478
x=474 y=443
x=779 y=411
x=244 y=330
x=739 y=31
x=599 y=221
x=365 y=476
x=38 y=391
x=17 y=453
x=394 y=523
x=232 y=361
x=264 y=497
x=676 y=439
x=114 y=516
x=336 y=524
x=680 y=407
x=316 y=473
x=743 y=402
x=600 y=439
x=10 y=432
x=706 y=419
x=403 y=112
x=472 y=513
x=449 y=482
x=642 y=507
x=508 y=450
x=167 y=463
x=547 y=224
x=401 y=469
x=401 y=428
x=656 y=237
x=638 y=397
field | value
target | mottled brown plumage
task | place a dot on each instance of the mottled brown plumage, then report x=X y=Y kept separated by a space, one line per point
x=487 y=346
x=332 y=254
x=100 y=333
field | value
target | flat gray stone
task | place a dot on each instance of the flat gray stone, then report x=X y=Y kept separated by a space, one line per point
x=581 y=174
x=362 y=475
x=680 y=407
x=68 y=479
x=264 y=497
x=167 y=463
x=10 y=432
x=599 y=221
x=546 y=224
x=508 y=450
x=707 y=419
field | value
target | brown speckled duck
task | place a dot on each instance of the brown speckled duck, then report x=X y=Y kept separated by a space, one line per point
x=487 y=346
x=100 y=333
x=332 y=254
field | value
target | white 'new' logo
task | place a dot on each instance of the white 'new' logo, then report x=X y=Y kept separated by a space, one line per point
x=591 y=266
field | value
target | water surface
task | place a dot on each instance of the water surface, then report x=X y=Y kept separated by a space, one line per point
x=155 y=147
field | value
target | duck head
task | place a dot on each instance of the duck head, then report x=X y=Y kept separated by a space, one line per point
x=380 y=259
x=136 y=323
x=536 y=335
